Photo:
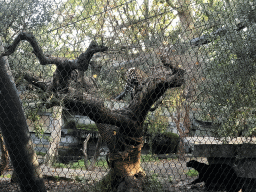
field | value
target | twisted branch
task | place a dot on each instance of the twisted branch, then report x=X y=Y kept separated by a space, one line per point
x=64 y=66
x=81 y=62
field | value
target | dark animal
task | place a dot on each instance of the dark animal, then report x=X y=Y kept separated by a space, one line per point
x=216 y=176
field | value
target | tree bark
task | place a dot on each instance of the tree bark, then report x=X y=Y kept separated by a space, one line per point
x=4 y=156
x=121 y=129
x=62 y=75
x=15 y=132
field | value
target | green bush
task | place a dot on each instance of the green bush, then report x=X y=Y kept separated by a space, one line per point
x=165 y=143
x=192 y=173
x=172 y=135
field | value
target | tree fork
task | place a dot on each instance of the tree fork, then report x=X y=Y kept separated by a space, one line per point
x=122 y=129
x=64 y=66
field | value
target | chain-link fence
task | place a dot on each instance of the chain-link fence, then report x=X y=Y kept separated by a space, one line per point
x=140 y=95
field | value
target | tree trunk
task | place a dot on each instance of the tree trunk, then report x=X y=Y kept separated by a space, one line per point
x=38 y=171
x=56 y=124
x=4 y=156
x=121 y=129
x=15 y=132
x=126 y=173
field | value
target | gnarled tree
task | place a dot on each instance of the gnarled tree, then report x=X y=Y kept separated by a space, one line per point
x=121 y=129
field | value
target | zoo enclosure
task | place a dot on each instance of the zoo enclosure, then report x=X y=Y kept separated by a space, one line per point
x=215 y=104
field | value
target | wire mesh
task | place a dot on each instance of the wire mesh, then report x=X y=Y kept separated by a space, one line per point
x=140 y=95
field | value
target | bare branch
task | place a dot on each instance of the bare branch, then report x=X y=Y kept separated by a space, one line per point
x=205 y=39
x=121 y=95
x=81 y=62
x=95 y=110
x=64 y=66
x=155 y=87
x=36 y=50
x=129 y=120
x=34 y=81
x=85 y=57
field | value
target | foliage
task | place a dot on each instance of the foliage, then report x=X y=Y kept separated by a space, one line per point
x=110 y=86
x=157 y=122
x=34 y=118
x=165 y=143
x=192 y=173
x=129 y=23
x=170 y=179
x=104 y=185
x=124 y=27
x=227 y=85
x=40 y=153
x=6 y=176
x=23 y=15
x=153 y=184
x=149 y=158
x=144 y=23
x=171 y=135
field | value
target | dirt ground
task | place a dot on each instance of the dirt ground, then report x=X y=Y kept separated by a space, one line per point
x=170 y=173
